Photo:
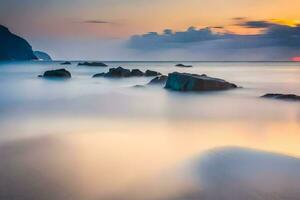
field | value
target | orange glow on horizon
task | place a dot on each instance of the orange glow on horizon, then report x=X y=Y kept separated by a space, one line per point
x=296 y=59
x=287 y=22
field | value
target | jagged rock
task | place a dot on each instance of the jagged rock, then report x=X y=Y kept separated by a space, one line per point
x=118 y=72
x=194 y=82
x=99 y=75
x=42 y=56
x=13 y=47
x=66 y=63
x=122 y=72
x=58 y=73
x=159 y=80
x=137 y=72
x=182 y=65
x=288 y=97
x=152 y=73
x=92 y=64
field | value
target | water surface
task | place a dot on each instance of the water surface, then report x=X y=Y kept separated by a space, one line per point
x=100 y=138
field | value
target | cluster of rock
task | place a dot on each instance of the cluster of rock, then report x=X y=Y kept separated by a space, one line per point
x=194 y=82
x=176 y=81
x=288 y=97
x=182 y=65
x=121 y=72
x=58 y=73
x=92 y=64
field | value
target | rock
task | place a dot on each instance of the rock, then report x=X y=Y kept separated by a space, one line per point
x=66 y=63
x=242 y=174
x=182 y=65
x=99 y=75
x=288 y=97
x=122 y=72
x=139 y=86
x=158 y=80
x=58 y=73
x=42 y=56
x=118 y=72
x=14 y=47
x=92 y=64
x=194 y=82
x=137 y=72
x=152 y=73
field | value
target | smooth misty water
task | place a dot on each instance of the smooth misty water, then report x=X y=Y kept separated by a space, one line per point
x=103 y=138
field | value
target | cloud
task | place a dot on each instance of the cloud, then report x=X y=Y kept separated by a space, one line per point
x=171 y=39
x=219 y=27
x=96 y=22
x=256 y=24
x=239 y=18
x=275 y=42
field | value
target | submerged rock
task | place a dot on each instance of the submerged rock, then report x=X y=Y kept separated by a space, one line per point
x=182 y=65
x=58 y=73
x=251 y=174
x=159 y=80
x=92 y=64
x=66 y=63
x=137 y=72
x=194 y=82
x=152 y=73
x=288 y=97
x=139 y=86
x=99 y=75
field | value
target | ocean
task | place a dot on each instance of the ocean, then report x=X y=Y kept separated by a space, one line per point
x=100 y=138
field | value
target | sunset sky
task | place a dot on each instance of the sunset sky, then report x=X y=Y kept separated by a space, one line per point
x=103 y=28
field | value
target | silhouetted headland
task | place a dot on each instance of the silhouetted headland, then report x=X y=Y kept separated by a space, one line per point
x=14 y=47
x=42 y=56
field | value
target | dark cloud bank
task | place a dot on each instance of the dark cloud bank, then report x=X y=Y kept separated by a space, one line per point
x=275 y=42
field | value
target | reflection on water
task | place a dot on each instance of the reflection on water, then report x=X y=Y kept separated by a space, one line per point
x=103 y=139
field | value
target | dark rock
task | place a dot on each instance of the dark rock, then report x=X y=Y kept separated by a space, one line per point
x=182 y=65
x=13 y=47
x=121 y=72
x=118 y=72
x=152 y=73
x=66 y=63
x=92 y=64
x=159 y=80
x=42 y=56
x=137 y=72
x=194 y=82
x=58 y=73
x=99 y=75
x=139 y=86
x=288 y=97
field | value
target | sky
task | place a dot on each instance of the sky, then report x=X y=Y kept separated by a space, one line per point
x=158 y=29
